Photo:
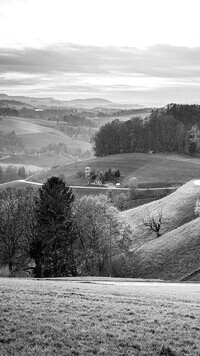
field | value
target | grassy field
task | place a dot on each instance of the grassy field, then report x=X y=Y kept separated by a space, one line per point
x=176 y=209
x=46 y=159
x=30 y=168
x=147 y=168
x=36 y=134
x=72 y=318
x=175 y=254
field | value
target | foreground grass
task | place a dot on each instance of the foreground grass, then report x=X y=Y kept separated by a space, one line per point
x=76 y=318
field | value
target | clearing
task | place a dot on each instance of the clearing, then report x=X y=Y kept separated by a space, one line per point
x=88 y=317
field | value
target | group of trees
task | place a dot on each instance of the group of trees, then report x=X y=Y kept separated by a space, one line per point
x=58 y=114
x=10 y=143
x=76 y=119
x=174 y=128
x=83 y=133
x=12 y=173
x=103 y=237
x=111 y=175
x=6 y=111
x=47 y=231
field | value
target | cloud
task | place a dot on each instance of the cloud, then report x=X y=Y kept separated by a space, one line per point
x=70 y=68
x=159 y=61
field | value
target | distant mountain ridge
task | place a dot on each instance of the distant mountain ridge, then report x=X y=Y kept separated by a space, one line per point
x=13 y=103
x=80 y=103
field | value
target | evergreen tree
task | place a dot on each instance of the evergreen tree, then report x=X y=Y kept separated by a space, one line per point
x=11 y=173
x=21 y=173
x=52 y=245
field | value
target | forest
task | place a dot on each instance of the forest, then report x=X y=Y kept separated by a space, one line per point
x=174 y=128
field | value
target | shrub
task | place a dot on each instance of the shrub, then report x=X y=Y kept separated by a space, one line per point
x=120 y=201
x=133 y=183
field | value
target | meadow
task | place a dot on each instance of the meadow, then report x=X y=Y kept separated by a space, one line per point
x=146 y=168
x=97 y=317
x=175 y=254
x=39 y=133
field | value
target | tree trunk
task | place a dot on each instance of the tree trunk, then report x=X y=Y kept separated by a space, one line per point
x=10 y=266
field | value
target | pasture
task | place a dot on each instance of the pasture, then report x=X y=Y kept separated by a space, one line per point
x=37 y=134
x=42 y=160
x=175 y=254
x=177 y=209
x=98 y=317
x=147 y=168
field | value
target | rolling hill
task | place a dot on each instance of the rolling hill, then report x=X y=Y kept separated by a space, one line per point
x=176 y=209
x=147 y=168
x=40 y=134
x=88 y=103
x=175 y=254
x=37 y=135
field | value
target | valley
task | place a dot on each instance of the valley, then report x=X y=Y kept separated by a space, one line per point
x=165 y=189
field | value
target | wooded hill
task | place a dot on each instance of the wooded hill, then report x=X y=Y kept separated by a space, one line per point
x=174 y=128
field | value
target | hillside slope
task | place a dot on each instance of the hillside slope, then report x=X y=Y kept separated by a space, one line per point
x=147 y=168
x=38 y=135
x=172 y=256
x=176 y=209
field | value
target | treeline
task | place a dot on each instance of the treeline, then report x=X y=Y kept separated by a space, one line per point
x=123 y=112
x=10 y=143
x=47 y=232
x=78 y=120
x=12 y=173
x=58 y=148
x=73 y=117
x=6 y=111
x=174 y=128
x=83 y=133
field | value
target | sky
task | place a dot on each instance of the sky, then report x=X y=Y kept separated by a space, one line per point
x=133 y=51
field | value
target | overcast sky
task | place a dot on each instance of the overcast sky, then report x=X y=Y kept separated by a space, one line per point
x=138 y=51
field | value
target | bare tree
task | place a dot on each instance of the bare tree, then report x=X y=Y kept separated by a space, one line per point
x=14 y=206
x=102 y=235
x=153 y=222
